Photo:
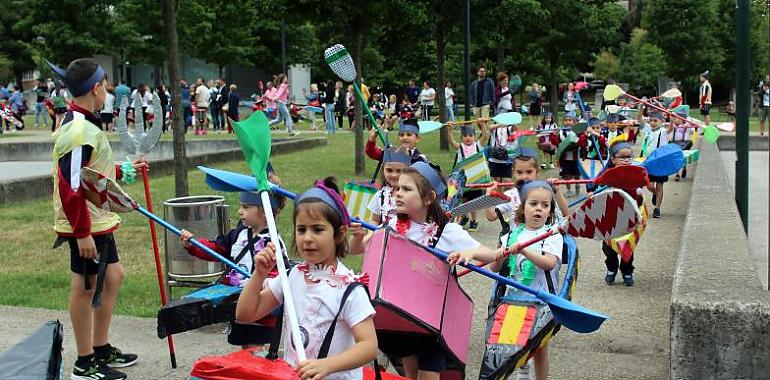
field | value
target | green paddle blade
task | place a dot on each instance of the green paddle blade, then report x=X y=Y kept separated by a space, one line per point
x=711 y=134
x=612 y=92
x=580 y=127
x=508 y=118
x=683 y=107
x=568 y=143
x=254 y=136
x=428 y=126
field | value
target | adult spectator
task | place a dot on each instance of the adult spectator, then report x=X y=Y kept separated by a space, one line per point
x=41 y=112
x=282 y=98
x=202 y=96
x=214 y=104
x=449 y=97
x=122 y=92
x=535 y=104
x=165 y=102
x=482 y=92
x=764 y=104
x=427 y=99
x=231 y=108
x=106 y=114
x=504 y=101
x=16 y=102
x=571 y=98
x=412 y=92
x=60 y=98
x=705 y=97
x=222 y=99
x=329 y=103
x=340 y=102
x=186 y=104
x=144 y=96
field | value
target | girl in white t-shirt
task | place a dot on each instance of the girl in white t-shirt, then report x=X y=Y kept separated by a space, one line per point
x=536 y=266
x=383 y=204
x=318 y=286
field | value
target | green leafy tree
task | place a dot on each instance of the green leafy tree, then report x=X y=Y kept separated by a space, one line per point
x=643 y=63
x=606 y=65
x=16 y=41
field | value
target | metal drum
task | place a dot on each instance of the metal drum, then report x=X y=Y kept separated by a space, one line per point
x=205 y=216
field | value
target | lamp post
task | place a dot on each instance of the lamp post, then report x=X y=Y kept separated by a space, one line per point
x=467 y=59
x=742 y=104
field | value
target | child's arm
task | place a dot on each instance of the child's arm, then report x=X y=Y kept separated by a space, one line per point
x=364 y=351
x=451 y=136
x=480 y=253
x=544 y=260
x=358 y=239
x=490 y=212
x=371 y=149
x=199 y=253
x=561 y=200
x=255 y=301
x=484 y=132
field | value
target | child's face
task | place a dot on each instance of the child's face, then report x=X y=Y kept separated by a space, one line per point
x=408 y=140
x=315 y=237
x=655 y=123
x=621 y=101
x=525 y=170
x=408 y=198
x=537 y=208
x=469 y=139
x=623 y=157
x=569 y=122
x=100 y=91
x=392 y=171
x=252 y=215
x=548 y=119
x=612 y=126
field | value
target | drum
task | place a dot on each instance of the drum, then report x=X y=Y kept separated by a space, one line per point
x=590 y=169
x=357 y=197
x=519 y=323
x=440 y=309
x=476 y=169
x=691 y=156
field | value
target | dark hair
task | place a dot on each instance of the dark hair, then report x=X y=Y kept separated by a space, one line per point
x=318 y=209
x=519 y=215
x=501 y=75
x=532 y=160
x=81 y=69
x=479 y=67
x=435 y=213
x=279 y=79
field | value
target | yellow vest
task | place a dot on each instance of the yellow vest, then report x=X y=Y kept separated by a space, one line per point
x=71 y=135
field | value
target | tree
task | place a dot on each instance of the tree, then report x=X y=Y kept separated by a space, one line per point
x=606 y=65
x=172 y=45
x=643 y=63
x=15 y=41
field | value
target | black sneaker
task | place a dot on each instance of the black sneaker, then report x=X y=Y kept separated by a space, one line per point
x=609 y=278
x=656 y=213
x=628 y=279
x=117 y=359
x=464 y=221
x=95 y=370
x=473 y=226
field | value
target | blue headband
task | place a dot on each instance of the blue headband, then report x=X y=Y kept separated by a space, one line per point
x=467 y=131
x=620 y=145
x=613 y=118
x=324 y=194
x=532 y=185
x=75 y=88
x=391 y=155
x=571 y=115
x=406 y=127
x=594 y=121
x=526 y=152
x=432 y=176
x=658 y=116
x=253 y=198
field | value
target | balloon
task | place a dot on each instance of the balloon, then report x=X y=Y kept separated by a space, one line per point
x=711 y=134
x=611 y=92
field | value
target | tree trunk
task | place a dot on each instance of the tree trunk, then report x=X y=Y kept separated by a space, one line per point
x=500 y=55
x=172 y=46
x=440 y=70
x=554 y=92
x=359 y=130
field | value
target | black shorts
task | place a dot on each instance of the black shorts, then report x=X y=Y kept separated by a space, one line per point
x=569 y=168
x=657 y=179
x=105 y=247
x=534 y=109
x=60 y=110
x=500 y=170
x=705 y=109
x=430 y=356
x=243 y=334
x=106 y=118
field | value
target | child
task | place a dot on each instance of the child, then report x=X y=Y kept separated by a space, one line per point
x=239 y=245
x=88 y=229
x=465 y=149
x=383 y=204
x=408 y=137
x=421 y=219
x=525 y=169
x=681 y=134
x=538 y=265
x=545 y=140
x=592 y=143
x=655 y=137
x=622 y=154
x=568 y=161
x=612 y=131
x=319 y=286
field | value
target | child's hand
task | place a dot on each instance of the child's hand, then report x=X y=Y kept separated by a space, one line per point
x=140 y=165
x=459 y=257
x=265 y=260
x=185 y=237
x=357 y=231
x=555 y=187
x=492 y=188
x=373 y=134
x=314 y=369
x=500 y=254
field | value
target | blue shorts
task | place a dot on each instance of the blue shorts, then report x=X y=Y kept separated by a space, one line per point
x=430 y=355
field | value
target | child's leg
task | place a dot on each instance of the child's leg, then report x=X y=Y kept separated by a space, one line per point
x=113 y=278
x=627 y=267
x=611 y=258
x=473 y=216
x=659 y=194
x=541 y=363
x=428 y=375
x=410 y=366
x=81 y=313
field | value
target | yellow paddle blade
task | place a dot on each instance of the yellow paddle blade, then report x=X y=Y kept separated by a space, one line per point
x=672 y=93
x=611 y=92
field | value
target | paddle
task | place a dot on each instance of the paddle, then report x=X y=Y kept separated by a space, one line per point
x=623 y=177
x=613 y=91
x=664 y=161
x=341 y=63
x=254 y=136
x=604 y=216
x=483 y=202
x=508 y=118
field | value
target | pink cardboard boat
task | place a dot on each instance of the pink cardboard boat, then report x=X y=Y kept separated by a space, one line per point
x=414 y=292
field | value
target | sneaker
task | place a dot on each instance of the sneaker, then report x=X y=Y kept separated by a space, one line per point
x=609 y=278
x=464 y=221
x=96 y=370
x=473 y=226
x=676 y=177
x=117 y=359
x=628 y=279
x=656 y=213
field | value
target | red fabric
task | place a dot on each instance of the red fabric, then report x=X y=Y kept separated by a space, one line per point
x=372 y=150
x=201 y=254
x=242 y=365
x=676 y=103
x=583 y=143
x=74 y=206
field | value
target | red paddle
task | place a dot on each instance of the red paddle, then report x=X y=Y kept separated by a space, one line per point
x=627 y=177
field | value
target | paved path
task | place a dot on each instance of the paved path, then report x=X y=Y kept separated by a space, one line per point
x=15 y=170
x=634 y=344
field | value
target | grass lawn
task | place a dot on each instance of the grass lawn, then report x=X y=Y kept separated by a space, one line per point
x=32 y=274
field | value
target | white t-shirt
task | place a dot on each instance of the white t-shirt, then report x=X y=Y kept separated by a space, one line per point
x=510 y=208
x=425 y=94
x=505 y=101
x=383 y=203
x=681 y=134
x=453 y=238
x=448 y=94
x=247 y=261
x=109 y=101
x=655 y=139
x=316 y=305
x=202 y=96
x=552 y=245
